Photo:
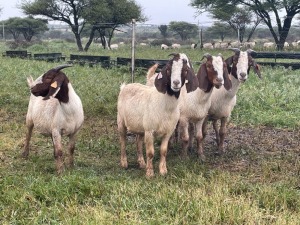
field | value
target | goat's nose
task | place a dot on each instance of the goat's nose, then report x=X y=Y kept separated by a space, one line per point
x=243 y=75
x=176 y=82
x=219 y=79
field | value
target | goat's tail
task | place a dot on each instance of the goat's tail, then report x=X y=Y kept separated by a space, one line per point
x=30 y=81
x=151 y=71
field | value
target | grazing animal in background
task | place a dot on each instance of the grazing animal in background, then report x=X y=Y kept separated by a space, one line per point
x=193 y=46
x=222 y=100
x=163 y=46
x=176 y=46
x=54 y=110
x=269 y=45
x=208 y=46
x=114 y=46
x=150 y=111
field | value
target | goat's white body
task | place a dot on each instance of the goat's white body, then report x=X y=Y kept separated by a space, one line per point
x=223 y=101
x=143 y=109
x=194 y=105
x=54 y=118
x=47 y=115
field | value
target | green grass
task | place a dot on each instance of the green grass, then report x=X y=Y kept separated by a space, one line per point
x=256 y=182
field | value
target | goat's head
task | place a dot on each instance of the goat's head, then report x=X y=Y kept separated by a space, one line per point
x=240 y=63
x=53 y=83
x=175 y=74
x=213 y=73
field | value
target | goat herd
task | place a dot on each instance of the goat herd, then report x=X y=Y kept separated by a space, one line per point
x=176 y=98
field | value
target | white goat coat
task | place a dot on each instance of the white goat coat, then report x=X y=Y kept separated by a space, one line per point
x=142 y=108
x=223 y=101
x=49 y=115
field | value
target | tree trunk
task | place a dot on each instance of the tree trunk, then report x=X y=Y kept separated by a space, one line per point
x=92 y=34
x=284 y=31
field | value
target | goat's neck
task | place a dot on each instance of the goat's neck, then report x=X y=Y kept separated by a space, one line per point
x=74 y=102
x=235 y=86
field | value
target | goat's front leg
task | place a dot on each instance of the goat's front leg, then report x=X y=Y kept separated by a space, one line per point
x=222 y=134
x=163 y=155
x=58 y=153
x=184 y=135
x=25 y=153
x=139 y=148
x=216 y=129
x=149 y=153
x=199 y=137
x=71 y=149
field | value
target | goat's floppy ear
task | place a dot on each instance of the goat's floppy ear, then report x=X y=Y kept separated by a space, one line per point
x=161 y=80
x=191 y=82
x=55 y=86
x=202 y=76
x=229 y=62
x=227 y=81
x=256 y=69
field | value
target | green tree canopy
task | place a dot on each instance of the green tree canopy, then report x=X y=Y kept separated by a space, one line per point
x=267 y=10
x=183 y=29
x=76 y=13
x=163 y=30
x=220 y=29
x=28 y=27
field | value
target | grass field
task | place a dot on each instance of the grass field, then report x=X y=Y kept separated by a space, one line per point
x=256 y=182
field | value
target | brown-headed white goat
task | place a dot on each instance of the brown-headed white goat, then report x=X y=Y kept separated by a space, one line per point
x=153 y=110
x=222 y=100
x=194 y=106
x=55 y=110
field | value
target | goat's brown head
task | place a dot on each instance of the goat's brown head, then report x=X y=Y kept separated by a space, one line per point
x=175 y=74
x=240 y=63
x=213 y=73
x=53 y=83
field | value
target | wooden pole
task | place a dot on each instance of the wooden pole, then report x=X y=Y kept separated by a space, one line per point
x=133 y=51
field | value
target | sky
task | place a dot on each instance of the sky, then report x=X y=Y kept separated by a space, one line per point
x=158 y=12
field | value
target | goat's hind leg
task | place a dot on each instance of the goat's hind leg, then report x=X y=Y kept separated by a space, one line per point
x=58 y=153
x=122 y=138
x=139 y=148
x=25 y=152
x=71 y=149
x=222 y=134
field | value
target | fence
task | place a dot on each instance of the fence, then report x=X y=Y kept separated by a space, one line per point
x=107 y=62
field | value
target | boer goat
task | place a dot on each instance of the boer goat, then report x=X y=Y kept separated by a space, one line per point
x=223 y=101
x=153 y=110
x=55 y=110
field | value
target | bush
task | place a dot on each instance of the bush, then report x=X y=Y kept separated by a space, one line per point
x=158 y=42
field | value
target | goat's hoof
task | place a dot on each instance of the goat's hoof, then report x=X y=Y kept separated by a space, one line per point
x=124 y=164
x=142 y=165
x=24 y=155
x=149 y=173
x=202 y=157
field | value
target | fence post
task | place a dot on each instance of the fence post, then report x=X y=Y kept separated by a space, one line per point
x=133 y=50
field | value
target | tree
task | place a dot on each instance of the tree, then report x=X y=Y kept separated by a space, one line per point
x=114 y=14
x=163 y=30
x=265 y=10
x=220 y=29
x=28 y=27
x=183 y=29
x=77 y=13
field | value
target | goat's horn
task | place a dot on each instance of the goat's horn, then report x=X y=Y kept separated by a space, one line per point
x=62 y=67
x=236 y=50
x=206 y=55
x=172 y=54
